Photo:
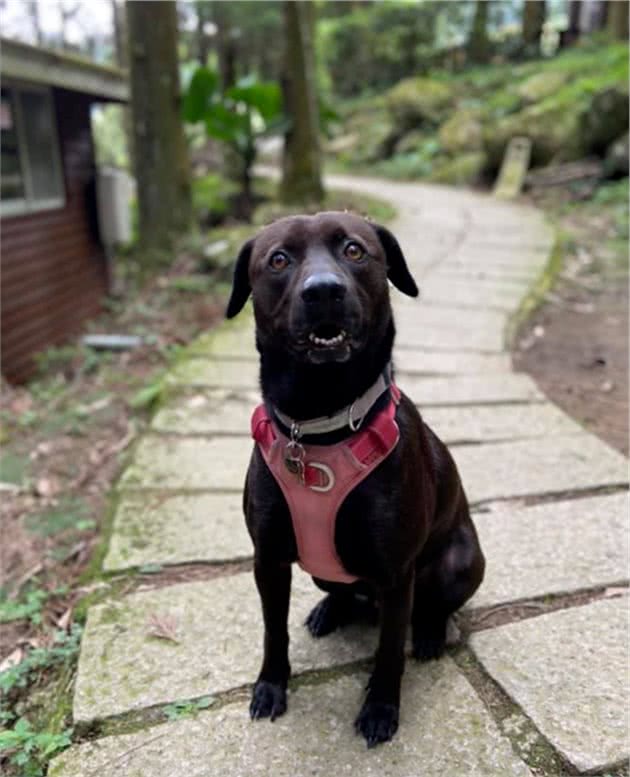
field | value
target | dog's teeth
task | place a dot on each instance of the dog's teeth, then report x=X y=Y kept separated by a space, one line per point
x=327 y=341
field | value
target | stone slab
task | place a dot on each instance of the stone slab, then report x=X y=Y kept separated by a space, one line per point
x=489 y=423
x=444 y=730
x=217 y=464
x=478 y=294
x=420 y=316
x=177 y=529
x=568 y=670
x=230 y=340
x=553 y=548
x=221 y=373
x=472 y=338
x=470 y=389
x=536 y=467
x=219 y=625
x=436 y=362
x=207 y=412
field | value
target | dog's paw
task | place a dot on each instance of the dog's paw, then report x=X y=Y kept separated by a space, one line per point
x=269 y=700
x=325 y=617
x=377 y=722
x=428 y=646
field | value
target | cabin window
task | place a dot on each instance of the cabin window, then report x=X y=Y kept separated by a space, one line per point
x=30 y=170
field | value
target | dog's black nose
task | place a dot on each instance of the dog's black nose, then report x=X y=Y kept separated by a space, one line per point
x=323 y=287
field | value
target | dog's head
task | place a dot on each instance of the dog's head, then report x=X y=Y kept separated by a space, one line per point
x=319 y=284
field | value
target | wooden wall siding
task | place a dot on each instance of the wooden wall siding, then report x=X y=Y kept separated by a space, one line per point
x=53 y=266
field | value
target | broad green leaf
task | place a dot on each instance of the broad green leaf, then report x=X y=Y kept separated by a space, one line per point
x=199 y=95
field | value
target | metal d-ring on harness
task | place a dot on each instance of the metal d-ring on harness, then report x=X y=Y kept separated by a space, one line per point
x=294 y=454
x=294 y=462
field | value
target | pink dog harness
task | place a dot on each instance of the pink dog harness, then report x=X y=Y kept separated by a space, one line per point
x=315 y=479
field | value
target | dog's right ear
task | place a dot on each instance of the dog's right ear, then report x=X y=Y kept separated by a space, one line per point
x=240 y=284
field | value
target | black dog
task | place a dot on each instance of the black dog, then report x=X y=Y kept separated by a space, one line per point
x=324 y=330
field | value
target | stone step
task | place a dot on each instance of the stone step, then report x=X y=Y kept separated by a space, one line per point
x=552 y=548
x=568 y=670
x=220 y=412
x=159 y=528
x=455 y=362
x=470 y=389
x=489 y=471
x=445 y=730
x=478 y=294
x=492 y=423
x=218 y=373
x=219 y=625
x=536 y=467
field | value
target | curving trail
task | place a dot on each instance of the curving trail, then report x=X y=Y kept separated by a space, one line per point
x=540 y=685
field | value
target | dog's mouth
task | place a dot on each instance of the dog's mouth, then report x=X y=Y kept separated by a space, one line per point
x=328 y=342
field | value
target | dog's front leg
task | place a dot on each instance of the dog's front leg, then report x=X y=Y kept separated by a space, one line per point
x=378 y=718
x=269 y=697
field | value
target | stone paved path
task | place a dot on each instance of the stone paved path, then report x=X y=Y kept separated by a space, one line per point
x=540 y=686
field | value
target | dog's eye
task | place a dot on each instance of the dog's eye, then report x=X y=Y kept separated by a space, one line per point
x=279 y=260
x=353 y=251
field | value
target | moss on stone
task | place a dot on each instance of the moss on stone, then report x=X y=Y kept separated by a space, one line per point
x=414 y=102
x=463 y=131
x=464 y=170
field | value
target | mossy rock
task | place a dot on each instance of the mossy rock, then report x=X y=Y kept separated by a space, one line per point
x=464 y=170
x=462 y=132
x=413 y=142
x=540 y=86
x=414 y=102
x=567 y=126
x=373 y=132
x=604 y=120
x=617 y=157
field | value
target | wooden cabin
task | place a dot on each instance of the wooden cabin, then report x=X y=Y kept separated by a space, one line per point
x=53 y=267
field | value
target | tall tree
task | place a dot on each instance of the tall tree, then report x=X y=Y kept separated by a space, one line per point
x=617 y=20
x=534 y=12
x=160 y=153
x=478 y=42
x=301 y=164
x=33 y=12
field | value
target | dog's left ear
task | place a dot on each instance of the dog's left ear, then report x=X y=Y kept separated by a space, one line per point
x=240 y=284
x=397 y=270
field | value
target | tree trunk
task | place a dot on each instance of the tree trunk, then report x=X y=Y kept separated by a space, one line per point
x=161 y=155
x=203 y=41
x=617 y=21
x=572 y=33
x=478 y=43
x=534 y=13
x=301 y=164
x=33 y=12
x=226 y=46
x=119 y=16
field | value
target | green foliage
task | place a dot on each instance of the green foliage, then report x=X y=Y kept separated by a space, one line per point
x=237 y=116
x=110 y=137
x=69 y=513
x=30 y=607
x=30 y=749
x=148 y=396
x=13 y=468
x=211 y=195
x=372 y=47
x=418 y=101
x=570 y=106
x=187 y=709
x=64 y=648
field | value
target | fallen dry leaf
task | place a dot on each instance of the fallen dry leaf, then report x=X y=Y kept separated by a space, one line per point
x=47 y=487
x=64 y=621
x=13 y=659
x=163 y=627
